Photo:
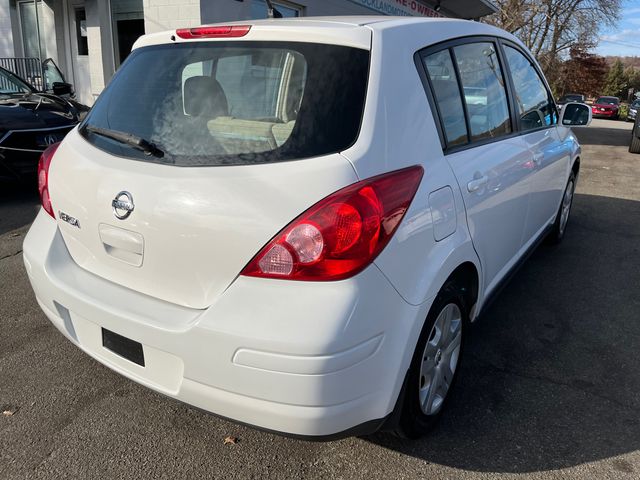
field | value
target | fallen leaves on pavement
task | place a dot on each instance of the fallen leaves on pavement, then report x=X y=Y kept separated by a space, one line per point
x=230 y=440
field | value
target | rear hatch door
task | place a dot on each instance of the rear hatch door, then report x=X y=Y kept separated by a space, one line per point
x=246 y=136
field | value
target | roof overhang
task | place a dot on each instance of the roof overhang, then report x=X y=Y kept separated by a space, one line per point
x=469 y=9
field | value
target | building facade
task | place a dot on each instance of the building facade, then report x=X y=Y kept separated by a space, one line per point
x=89 y=39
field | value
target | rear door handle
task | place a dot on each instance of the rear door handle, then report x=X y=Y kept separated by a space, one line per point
x=477 y=183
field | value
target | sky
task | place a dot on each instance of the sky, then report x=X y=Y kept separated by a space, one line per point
x=624 y=38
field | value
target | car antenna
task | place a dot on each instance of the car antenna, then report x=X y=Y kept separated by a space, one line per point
x=272 y=12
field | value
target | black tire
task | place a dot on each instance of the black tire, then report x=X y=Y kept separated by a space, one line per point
x=412 y=421
x=634 y=146
x=558 y=230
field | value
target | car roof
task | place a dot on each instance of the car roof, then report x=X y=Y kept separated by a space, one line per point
x=355 y=20
x=353 y=31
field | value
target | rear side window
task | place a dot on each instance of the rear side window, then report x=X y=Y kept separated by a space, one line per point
x=444 y=84
x=468 y=86
x=219 y=103
x=484 y=90
x=533 y=101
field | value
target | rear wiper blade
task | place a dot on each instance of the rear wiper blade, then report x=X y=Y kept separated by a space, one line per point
x=130 y=139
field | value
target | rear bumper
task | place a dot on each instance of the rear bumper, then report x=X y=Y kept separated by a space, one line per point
x=307 y=359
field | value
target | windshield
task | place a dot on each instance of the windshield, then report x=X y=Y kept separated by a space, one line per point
x=10 y=84
x=607 y=101
x=239 y=102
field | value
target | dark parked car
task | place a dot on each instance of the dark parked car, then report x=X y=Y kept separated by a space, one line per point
x=571 y=98
x=606 y=107
x=30 y=121
x=633 y=110
x=634 y=146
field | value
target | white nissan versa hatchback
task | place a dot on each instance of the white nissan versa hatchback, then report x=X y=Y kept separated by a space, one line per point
x=291 y=223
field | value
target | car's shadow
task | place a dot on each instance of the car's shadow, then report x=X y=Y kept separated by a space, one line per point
x=551 y=377
x=18 y=203
x=619 y=137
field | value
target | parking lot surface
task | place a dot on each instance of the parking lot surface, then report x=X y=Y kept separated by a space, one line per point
x=550 y=387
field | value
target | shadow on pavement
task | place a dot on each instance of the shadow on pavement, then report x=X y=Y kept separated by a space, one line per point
x=618 y=137
x=551 y=376
x=19 y=203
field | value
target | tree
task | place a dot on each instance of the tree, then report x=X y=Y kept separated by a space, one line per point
x=632 y=76
x=583 y=73
x=616 y=83
x=550 y=28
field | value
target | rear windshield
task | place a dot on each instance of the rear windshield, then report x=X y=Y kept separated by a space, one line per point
x=229 y=103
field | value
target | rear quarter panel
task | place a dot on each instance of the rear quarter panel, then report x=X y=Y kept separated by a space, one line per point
x=398 y=131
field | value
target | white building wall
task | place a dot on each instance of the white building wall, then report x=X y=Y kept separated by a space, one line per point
x=48 y=31
x=6 y=33
x=60 y=57
x=95 y=32
x=160 y=15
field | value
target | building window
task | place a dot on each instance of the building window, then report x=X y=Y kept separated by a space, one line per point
x=287 y=9
x=29 y=28
x=127 y=17
x=81 y=32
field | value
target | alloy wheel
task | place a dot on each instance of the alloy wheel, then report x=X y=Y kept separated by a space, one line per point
x=440 y=359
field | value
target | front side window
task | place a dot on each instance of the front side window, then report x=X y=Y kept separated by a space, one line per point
x=533 y=102
x=484 y=90
x=444 y=84
x=218 y=103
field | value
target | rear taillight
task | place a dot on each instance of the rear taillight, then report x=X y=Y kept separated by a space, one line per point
x=342 y=234
x=43 y=177
x=219 y=31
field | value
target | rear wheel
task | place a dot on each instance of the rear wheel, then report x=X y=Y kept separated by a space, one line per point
x=435 y=363
x=559 y=227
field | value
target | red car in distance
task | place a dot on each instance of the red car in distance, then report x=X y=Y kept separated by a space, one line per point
x=607 y=107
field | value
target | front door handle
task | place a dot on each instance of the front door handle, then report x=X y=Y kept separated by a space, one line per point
x=477 y=183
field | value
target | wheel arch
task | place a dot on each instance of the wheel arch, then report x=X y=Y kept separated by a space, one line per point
x=575 y=167
x=467 y=277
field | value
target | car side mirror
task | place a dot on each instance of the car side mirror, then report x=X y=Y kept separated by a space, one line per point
x=61 y=88
x=575 y=115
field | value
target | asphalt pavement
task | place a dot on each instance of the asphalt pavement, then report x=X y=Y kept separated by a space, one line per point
x=550 y=386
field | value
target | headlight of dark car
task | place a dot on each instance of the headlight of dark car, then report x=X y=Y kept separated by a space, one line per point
x=68 y=115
